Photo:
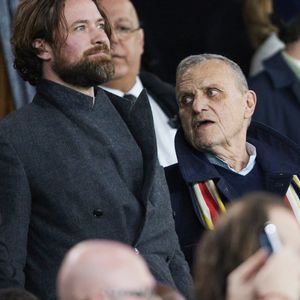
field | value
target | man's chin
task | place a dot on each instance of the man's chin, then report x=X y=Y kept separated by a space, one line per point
x=203 y=144
x=121 y=71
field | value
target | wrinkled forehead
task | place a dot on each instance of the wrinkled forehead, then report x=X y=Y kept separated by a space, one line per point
x=208 y=73
x=85 y=10
x=212 y=68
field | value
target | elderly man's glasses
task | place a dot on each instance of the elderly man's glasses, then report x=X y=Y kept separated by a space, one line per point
x=124 y=32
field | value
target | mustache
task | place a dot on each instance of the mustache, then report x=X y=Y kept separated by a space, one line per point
x=101 y=48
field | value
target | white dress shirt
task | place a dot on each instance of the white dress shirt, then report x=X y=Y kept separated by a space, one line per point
x=164 y=133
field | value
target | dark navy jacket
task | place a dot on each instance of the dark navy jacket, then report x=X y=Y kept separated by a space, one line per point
x=163 y=94
x=278 y=157
x=278 y=97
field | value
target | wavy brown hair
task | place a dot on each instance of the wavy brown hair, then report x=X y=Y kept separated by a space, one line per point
x=235 y=238
x=40 y=19
x=257 y=16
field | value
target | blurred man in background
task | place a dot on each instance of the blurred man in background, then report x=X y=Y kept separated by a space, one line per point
x=128 y=80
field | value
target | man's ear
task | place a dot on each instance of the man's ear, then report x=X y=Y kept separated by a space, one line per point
x=250 y=104
x=43 y=49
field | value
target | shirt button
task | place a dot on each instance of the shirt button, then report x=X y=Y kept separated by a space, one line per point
x=98 y=212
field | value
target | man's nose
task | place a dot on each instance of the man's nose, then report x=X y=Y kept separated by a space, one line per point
x=200 y=104
x=114 y=37
x=99 y=36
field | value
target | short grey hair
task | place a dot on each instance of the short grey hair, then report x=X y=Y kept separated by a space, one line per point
x=194 y=60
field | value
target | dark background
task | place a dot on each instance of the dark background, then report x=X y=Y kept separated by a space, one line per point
x=176 y=29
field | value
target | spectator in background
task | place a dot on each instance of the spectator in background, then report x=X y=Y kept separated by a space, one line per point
x=221 y=158
x=278 y=86
x=229 y=264
x=129 y=81
x=262 y=33
x=102 y=269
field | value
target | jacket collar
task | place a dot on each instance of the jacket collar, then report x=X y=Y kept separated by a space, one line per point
x=64 y=97
x=275 y=153
x=279 y=72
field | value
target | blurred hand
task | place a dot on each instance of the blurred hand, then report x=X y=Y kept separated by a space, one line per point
x=280 y=275
x=240 y=282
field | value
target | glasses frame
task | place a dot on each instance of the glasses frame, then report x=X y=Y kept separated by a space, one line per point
x=125 y=34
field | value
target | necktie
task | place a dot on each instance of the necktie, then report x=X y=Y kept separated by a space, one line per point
x=130 y=97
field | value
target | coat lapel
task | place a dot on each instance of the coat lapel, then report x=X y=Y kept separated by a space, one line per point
x=138 y=118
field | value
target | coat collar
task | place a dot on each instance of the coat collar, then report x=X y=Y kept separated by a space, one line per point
x=275 y=153
x=64 y=97
x=279 y=72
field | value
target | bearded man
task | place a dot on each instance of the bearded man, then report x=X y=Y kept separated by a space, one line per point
x=76 y=164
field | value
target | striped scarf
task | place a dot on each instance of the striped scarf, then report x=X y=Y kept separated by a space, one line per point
x=210 y=205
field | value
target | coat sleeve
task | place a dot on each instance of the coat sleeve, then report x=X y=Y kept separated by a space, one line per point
x=181 y=273
x=15 y=206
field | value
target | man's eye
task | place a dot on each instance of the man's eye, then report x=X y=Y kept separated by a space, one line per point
x=211 y=92
x=187 y=99
x=101 y=26
x=122 y=29
x=80 y=28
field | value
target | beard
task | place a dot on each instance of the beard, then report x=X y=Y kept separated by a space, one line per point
x=86 y=72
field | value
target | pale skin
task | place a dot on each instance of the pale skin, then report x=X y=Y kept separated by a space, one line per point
x=293 y=49
x=215 y=112
x=126 y=54
x=271 y=277
x=92 y=267
x=85 y=31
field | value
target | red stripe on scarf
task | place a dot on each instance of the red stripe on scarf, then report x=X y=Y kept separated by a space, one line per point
x=210 y=202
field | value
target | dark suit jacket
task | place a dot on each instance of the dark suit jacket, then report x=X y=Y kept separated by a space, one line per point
x=163 y=94
x=278 y=97
x=68 y=173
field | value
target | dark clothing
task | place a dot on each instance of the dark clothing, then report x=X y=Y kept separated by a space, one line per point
x=278 y=97
x=72 y=170
x=163 y=94
x=214 y=26
x=254 y=181
x=278 y=158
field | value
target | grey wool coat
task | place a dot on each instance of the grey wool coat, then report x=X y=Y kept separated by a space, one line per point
x=72 y=169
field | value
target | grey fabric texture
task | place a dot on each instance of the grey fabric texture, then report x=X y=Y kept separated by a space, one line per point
x=72 y=170
x=22 y=92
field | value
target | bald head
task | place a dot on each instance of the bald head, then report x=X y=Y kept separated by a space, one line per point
x=92 y=267
x=126 y=6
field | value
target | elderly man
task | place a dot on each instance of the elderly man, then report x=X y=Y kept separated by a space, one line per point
x=128 y=81
x=76 y=164
x=103 y=269
x=219 y=157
